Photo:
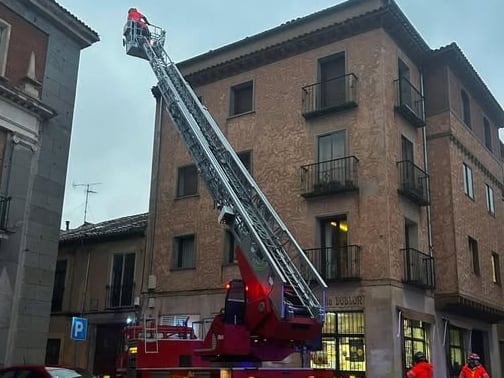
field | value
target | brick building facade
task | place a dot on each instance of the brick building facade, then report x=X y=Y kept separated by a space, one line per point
x=343 y=121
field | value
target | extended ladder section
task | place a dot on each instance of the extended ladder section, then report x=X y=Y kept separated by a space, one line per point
x=150 y=335
x=279 y=264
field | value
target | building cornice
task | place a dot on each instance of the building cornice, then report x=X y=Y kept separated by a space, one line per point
x=472 y=157
x=296 y=40
x=452 y=56
x=66 y=21
x=474 y=308
x=25 y=101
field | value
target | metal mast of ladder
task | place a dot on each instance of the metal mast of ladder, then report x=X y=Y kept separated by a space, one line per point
x=291 y=278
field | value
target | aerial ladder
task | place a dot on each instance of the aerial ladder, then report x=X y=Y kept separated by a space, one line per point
x=279 y=304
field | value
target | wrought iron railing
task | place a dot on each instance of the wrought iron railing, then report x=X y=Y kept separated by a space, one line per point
x=418 y=268
x=410 y=102
x=413 y=182
x=120 y=295
x=330 y=95
x=330 y=176
x=336 y=263
x=4 y=211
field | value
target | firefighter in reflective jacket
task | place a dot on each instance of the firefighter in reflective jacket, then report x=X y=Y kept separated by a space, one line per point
x=421 y=369
x=138 y=18
x=473 y=368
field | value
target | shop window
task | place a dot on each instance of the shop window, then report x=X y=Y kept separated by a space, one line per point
x=343 y=345
x=415 y=339
x=455 y=351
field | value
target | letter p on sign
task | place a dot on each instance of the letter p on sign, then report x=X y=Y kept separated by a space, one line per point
x=79 y=329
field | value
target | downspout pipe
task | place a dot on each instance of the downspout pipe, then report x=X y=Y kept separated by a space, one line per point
x=425 y=166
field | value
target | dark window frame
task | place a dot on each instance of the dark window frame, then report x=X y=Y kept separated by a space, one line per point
x=455 y=348
x=466 y=107
x=241 y=98
x=490 y=200
x=59 y=285
x=331 y=76
x=5 y=35
x=122 y=280
x=342 y=330
x=488 y=133
x=468 y=181
x=187 y=181
x=246 y=159
x=415 y=333
x=180 y=245
x=229 y=248
x=53 y=351
x=473 y=250
x=496 y=273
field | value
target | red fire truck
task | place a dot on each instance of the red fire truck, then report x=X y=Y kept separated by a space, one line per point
x=277 y=307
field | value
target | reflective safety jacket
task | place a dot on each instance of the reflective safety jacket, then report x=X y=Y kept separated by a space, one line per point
x=478 y=372
x=138 y=17
x=422 y=369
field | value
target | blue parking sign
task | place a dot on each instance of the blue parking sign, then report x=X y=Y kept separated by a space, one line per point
x=79 y=329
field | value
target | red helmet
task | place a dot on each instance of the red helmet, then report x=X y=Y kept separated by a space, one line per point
x=474 y=356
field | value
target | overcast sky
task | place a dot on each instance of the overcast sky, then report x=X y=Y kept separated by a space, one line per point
x=113 y=123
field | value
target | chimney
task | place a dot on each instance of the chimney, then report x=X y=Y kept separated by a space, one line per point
x=67 y=223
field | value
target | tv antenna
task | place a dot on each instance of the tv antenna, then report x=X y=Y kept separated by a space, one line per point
x=88 y=190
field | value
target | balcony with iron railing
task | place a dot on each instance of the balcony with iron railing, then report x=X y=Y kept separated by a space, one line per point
x=409 y=102
x=413 y=182
x=331 y=95
x=336 y=263
x=418 y=268
x=330 y=176
x=4 y=212
x=118 y=296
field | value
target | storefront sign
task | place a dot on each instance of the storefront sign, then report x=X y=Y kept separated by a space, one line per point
x=346 y=301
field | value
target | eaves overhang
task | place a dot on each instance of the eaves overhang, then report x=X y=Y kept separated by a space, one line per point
x=66 y=21
x=452 y=56
x=475 y=309
x=262 y=49
x=90 y=238
x=115 y=229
